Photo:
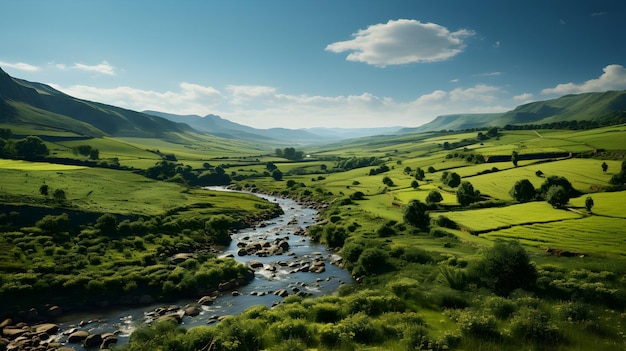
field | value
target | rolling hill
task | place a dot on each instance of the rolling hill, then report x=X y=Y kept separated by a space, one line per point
x=605 y=108
x=39 y=105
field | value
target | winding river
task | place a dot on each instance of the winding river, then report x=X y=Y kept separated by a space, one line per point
x=282 y=271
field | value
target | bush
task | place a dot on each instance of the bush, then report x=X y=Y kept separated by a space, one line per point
x=478 y=325
x=534 y=325
x=501 y=307
x=504 y=268
x=415 y=214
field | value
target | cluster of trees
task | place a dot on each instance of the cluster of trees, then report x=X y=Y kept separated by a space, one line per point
x=289 y=153
x=179 y=173
x=618 y=178
x=86 y=150
x=357 y=162
x=30 y=147
x=555 y=190
x=58 y=194
x=451 y=179
x=379 y=170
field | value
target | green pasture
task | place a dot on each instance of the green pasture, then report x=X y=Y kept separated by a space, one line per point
x=106 y=190
x=608 y=138
x=605 y=204
x=593 y=235
x=585 y=175
x=501 y=217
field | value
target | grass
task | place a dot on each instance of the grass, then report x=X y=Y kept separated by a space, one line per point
x=493 y=218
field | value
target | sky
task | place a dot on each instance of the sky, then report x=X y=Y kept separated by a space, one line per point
x=317 y=63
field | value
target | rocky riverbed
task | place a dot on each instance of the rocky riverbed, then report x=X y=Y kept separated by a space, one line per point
x=281 y=259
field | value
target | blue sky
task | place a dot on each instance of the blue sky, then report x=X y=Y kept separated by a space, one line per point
x=317 y=63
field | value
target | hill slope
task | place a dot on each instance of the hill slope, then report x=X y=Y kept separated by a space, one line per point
x=44 y=107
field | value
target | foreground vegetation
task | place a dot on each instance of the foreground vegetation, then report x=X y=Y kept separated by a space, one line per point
x=480 y=266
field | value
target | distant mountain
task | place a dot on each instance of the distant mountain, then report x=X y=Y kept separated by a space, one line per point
x=604 y=108
x=350 y=133
x=597 y=107
x=455 y=122
x=44 y=107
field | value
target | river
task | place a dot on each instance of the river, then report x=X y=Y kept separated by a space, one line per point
x=278 y=272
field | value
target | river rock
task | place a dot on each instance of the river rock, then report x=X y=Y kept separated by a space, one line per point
x=77 y=336
x=13 y=332
x=48 y=328
x=255 y=264
x=206 y=300
x=92 y=340
x=171 y=317
x=192 y=310
x=281 y=293
x=181 y=257
x=6 y=322
x=108 y=339
x=54 y=311
x=242 y=252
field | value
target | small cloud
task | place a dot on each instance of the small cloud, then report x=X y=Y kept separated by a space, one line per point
x=402 y=41
x=596 y=14
x=456 y=80
x=489 y=74
x=525 y=97
x=103 y=68
x=496 y=44
x=613 y=78
x=21 y=66
x=562 y=21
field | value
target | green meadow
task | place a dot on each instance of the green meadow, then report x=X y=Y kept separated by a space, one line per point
x=473 y=277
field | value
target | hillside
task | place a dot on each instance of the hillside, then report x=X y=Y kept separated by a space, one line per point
x=39 y=105
x=606 y=108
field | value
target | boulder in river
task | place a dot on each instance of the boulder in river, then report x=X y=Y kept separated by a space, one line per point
x=77 y=336
x=255 y=264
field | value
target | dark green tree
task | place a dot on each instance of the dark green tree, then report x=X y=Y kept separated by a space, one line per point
x=589 y=203
x=466 y=194
x=43 y=189
x=415 y=214
x=59 y=195
x=419 y=174
x=94 y=154
x=277 y=174
x=431 y=169
x=31 y=147
x=451 y=179
x=5 y=133
x=107 y=224
x=523 y=191
x=605 y=167
x=434 y=197
x=514 y=158
x=415 y=184
x=557 y=196
x=270 y=166
x=492 y=132
x=387 y=181
x=505 y=267
x=556 y=181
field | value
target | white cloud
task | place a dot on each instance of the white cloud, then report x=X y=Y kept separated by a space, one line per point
x=489 y=74
x=523 y=98
x=190 y=99
x=613 y=78
x=103 y=68
x=265 y=106
x=402 y=41
x=19 y=66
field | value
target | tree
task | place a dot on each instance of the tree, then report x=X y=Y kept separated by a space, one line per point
x=43 y=189
x=5 y=133
x=31 y=147
x=415 y=214
x=492 y=132
x=557 y=196
x=451 y=179
x=270 y=166
x=387 y=181
x=505 y=267
x=589 y=203
x=466 y=194
x=59 y=195
x=415 y=184
x=407 y=169
x=514 y=158
x=556 y=181
x=419 y=174
x=279 y=152
x=605 y=167
x=523 y=191
x=94 y=154
x=277 y=174
x=434 y=197
x=431 y=169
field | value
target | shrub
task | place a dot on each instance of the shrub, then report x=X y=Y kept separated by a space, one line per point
x=504 y=268
x=501 y=307
x=478 y=325
x=534 y=325
x=415 y=214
